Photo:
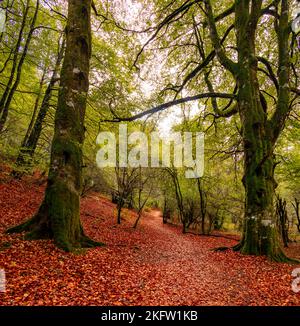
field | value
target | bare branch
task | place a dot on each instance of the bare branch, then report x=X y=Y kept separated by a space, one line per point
x=167 y=105
x=270 y=73
x=182 y=9
x=204 y=63
x=224 y=60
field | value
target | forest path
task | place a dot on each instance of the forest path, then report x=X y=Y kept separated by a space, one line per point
x=187 y=266
x=154 y=264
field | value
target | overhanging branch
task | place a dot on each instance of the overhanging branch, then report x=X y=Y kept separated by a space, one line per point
x=167 y=105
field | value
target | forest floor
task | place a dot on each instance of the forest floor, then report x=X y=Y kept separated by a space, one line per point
x=153 y=265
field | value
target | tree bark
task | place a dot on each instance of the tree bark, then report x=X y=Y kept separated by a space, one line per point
x=259 y=133
x=260 y=233
x=296 y=206
x=119 y=210
x=282 y=220
x=59 y=216
x=202 y=201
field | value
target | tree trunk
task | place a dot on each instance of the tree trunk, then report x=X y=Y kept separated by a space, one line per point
x=296 y=206
x=282 y=220
x=119 y=211
x=260 y=223
x=202 y=204
x=179 y=198
x=137 y=219
x=166 y=212
x=260 y=235
x=259 y=132
x=21 y=159
x=59 y=216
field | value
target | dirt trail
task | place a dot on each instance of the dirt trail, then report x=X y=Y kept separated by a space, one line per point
x=153 y=265
x=187 y=265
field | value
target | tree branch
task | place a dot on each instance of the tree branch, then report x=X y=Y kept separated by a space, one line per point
x=182 y=9
x=96 y=11
x=271 y=73
x=204 y=63
x=167 y=105
x=278 y=119
x=224 y=60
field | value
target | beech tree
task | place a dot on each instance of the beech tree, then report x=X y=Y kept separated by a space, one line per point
x=261 y=122
x=58 y=216
x=260 y=131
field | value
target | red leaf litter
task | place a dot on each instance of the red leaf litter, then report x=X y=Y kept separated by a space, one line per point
x=153 y=265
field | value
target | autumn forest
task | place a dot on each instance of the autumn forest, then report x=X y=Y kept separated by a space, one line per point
x=149 y=153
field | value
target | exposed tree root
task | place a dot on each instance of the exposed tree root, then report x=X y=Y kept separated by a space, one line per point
x=37 y=230
x=221 y=249
x=278 y=257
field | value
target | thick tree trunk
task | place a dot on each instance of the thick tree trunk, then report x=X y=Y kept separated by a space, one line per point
x=58 y=216
x=260 y=232
x=260 y=235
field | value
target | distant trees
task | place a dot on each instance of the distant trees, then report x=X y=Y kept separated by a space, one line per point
x=191 y=207
x=126 y=180
x=18 y=61
x=34 y=130
x=132 y=190
x=145 y=185
x=28 y=50
x=296 y=206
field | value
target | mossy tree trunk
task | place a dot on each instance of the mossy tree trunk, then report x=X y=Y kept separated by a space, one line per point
x=59 y=216
x=259 y=131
